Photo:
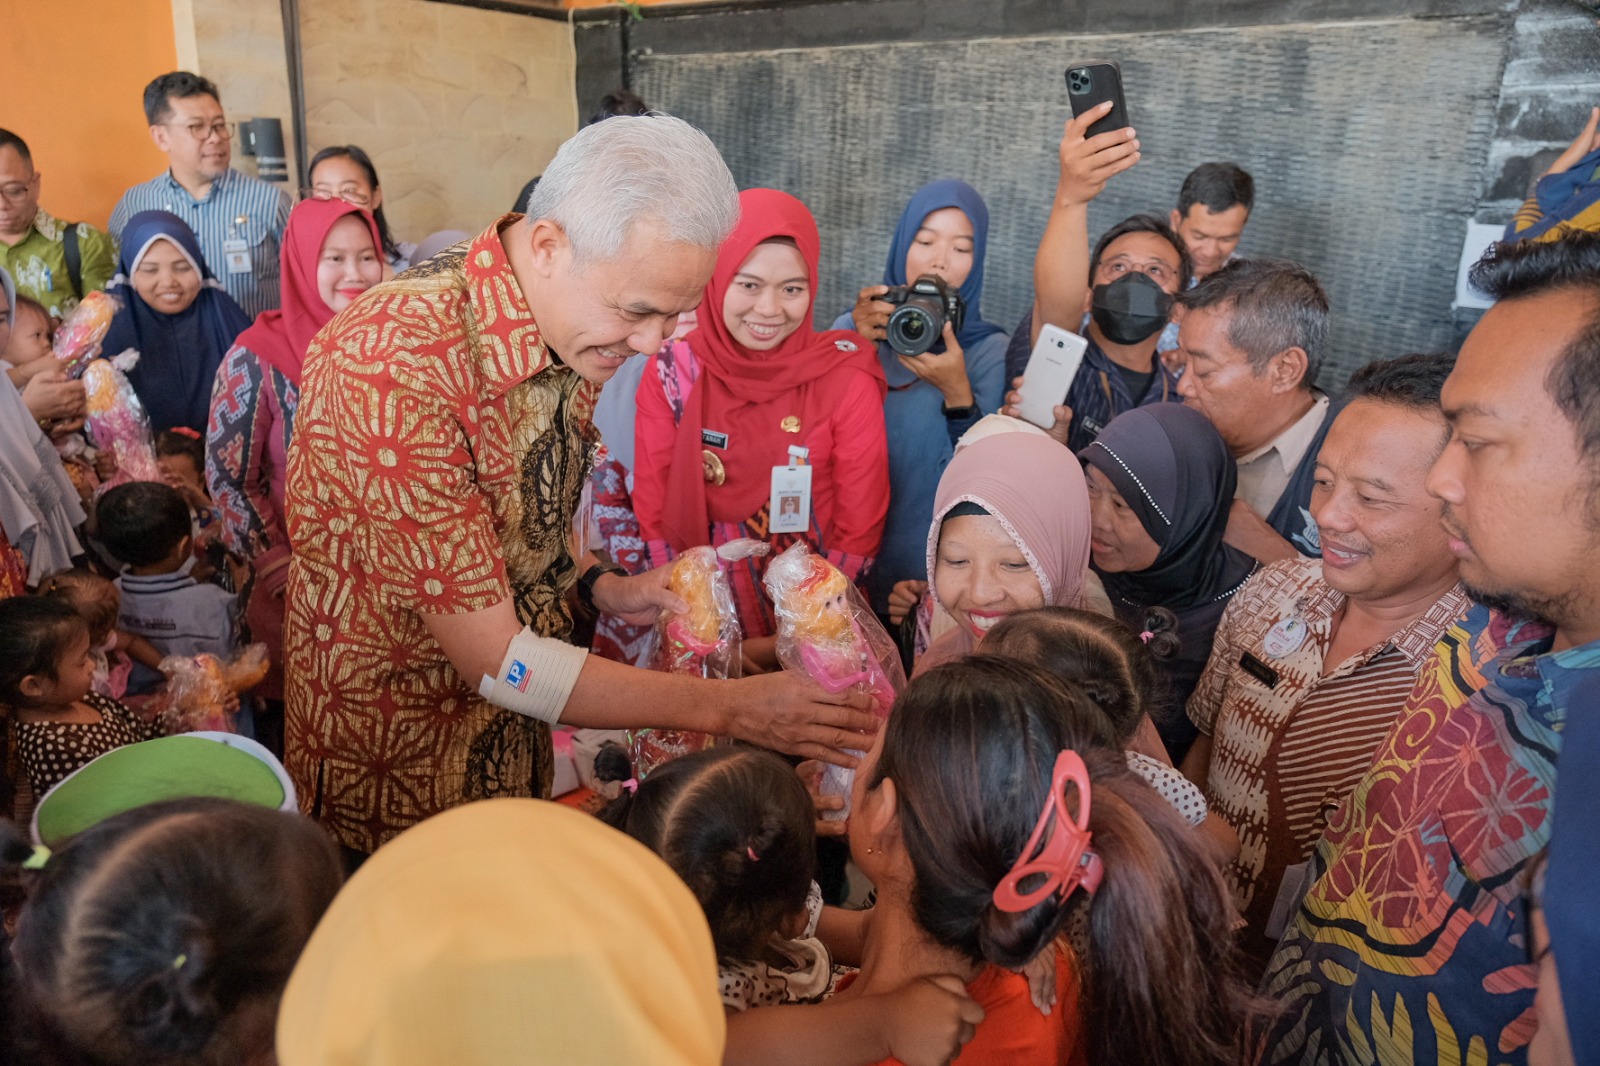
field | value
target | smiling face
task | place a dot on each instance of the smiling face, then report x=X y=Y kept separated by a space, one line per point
x=349 y=265
x=597 y=314
x=1381 y=538
x=340 y=177
x=1118 y=540
x=769 y=297
x=944 y=246
x=1210 y=236
x=980 y=574
x=195 y=159
x=165 y=279
x=1518 y=489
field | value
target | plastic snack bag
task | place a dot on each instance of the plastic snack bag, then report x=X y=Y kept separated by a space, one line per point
x=117 y=420
x=78 y=339
x=702 y=642
x=200 y=689
x=826 y=630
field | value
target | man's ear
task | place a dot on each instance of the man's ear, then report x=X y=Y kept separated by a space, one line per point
x=1287 y=370
x=548 y=245
x=185 y=547
x=162 y=136
x=1174 y=219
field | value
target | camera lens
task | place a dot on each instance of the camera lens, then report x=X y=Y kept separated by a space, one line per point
x=915 y=326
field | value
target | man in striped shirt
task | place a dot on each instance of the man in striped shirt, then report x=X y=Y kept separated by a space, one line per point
x=1314 y=659
x=238 y=219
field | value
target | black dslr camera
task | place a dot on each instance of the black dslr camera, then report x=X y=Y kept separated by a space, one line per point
x=921 y=310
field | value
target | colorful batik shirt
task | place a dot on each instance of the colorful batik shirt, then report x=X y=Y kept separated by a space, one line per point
x=438 y=459
x=1411 y=946
x=1289 y=742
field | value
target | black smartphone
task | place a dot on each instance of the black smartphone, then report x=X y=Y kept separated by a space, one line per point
x=1092 y=82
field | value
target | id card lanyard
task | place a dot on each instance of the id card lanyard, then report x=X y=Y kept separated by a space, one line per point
x=790 y=506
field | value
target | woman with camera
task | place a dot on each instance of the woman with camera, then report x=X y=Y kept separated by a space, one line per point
x=755 y=424
x=928 y=304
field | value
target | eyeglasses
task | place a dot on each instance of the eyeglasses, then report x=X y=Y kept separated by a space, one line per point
x=348 y=193
x=16 y=192
x=203 y=132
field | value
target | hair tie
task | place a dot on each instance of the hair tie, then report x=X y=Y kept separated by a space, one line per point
x=632 y=785
x=748 y=850
x=1145 y=636
x=185 y=431
x=177 y=963
x=36 y=861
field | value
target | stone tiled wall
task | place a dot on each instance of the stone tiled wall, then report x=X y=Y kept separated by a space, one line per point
x=457 y=106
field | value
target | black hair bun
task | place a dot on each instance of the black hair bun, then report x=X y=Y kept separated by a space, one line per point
x=611 y=762
x=1162 y=625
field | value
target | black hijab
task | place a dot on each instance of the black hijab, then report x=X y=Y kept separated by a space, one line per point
x=1173 y=469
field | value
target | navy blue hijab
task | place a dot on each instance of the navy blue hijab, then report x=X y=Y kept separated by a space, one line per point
x=178 y=354
x=936 y=196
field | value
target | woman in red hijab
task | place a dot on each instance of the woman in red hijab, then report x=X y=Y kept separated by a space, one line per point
x=331 y=254
x=721 y=408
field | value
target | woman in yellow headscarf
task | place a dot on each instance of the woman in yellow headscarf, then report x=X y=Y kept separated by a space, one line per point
x=507 y=931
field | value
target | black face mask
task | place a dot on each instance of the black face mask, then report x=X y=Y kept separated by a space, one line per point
x=1131 y=309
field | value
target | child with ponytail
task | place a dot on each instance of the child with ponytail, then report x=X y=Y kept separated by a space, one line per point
x=737 y=825
x=1122 y=674
x=994 y=813
x=163 y=935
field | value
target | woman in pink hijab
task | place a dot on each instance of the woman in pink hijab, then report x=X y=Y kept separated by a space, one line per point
x=1010 y=532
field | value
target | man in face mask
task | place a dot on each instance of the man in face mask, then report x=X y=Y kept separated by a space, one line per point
x=1119 y=297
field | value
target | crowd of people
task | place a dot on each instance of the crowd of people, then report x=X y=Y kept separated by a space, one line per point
x=1236 y=699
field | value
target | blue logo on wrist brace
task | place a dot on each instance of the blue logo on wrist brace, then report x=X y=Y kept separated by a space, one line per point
x=517 y=675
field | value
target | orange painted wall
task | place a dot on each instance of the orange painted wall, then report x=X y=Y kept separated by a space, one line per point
x=74 y=73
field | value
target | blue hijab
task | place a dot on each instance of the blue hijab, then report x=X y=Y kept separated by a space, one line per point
x=935 y=196
x=179 y=353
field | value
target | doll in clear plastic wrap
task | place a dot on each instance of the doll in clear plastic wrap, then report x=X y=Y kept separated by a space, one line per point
x=826 y=630
x=702 y=642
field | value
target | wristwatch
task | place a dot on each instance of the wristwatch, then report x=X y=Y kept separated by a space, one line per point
x=587 y=580
x=956 y=414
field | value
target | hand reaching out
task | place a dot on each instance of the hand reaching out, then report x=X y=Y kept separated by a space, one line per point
x=1059 y=430
x=1588 y=140
x=1087 y=163
x=904 y=599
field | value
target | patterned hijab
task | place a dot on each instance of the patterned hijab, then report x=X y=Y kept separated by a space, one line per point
x=280 y=338
x=178 y=353
x=511 y=930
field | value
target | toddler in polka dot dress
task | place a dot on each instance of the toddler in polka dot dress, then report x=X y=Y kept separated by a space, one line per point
x=46 y=679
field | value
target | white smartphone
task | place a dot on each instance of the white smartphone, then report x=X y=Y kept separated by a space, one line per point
x=1052 y=366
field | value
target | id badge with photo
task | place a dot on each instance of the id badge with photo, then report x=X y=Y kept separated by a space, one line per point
x=237 y=253
x=238 y=256
x=790 y=506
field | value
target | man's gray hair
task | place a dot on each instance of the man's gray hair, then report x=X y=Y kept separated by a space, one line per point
x=1277 y=304
x=626 y=170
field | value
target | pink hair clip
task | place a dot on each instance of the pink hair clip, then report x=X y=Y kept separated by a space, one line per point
x=631 y=784
x=748 y=850
x=1064 y=861
x=1145 y=636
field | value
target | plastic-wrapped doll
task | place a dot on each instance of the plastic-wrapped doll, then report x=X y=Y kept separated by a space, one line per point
x=117 y=422
x=702 y=642
x=826 y=630
x=202 y=690
x=78 y=339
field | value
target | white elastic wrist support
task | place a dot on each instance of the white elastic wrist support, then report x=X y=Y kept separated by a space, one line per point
x=536 y=676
